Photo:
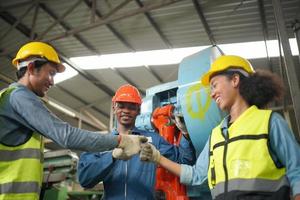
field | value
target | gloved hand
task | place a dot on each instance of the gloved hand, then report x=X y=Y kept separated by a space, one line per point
x=118 y=153
x=149 y=153
x=130 y=144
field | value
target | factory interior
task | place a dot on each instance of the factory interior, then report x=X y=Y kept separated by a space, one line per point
x=156 y=46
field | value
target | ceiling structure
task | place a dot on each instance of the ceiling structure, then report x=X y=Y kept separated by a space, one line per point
x=97 y=27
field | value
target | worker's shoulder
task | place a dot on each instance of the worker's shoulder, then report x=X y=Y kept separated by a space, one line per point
x=22 y=91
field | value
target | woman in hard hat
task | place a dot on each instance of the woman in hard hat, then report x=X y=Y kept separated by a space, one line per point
x=252 y=154
x=24 y=120
x=131 y=179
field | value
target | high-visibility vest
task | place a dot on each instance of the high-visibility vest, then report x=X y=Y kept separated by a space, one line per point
x=21 y=167
x=241 y=162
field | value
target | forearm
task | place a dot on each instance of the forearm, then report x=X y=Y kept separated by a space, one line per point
x=74 y=138
x=171 y=166
x=37 y=117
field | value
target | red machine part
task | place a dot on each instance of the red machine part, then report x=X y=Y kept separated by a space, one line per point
x=166 y=181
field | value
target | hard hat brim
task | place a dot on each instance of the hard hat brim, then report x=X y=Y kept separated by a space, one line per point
x=205 y=78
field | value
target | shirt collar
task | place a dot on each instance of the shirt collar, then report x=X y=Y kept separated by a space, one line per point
x=225 y=122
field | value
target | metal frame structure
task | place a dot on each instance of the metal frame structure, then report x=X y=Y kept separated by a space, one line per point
x=142 y=8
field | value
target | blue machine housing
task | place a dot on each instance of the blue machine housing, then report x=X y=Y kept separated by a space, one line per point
x=190 y=98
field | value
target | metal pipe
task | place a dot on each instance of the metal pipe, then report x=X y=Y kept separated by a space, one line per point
x=296 y=28
x=288 y=60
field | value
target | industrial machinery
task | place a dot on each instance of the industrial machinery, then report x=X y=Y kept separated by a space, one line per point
x=182 y=106
x=171 y=109
x=60 y=182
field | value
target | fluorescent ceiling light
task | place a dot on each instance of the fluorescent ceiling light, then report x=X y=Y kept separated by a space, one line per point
x=68 y=73
x=250 y=50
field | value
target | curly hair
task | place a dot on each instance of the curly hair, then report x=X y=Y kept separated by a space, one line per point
x=261 y=88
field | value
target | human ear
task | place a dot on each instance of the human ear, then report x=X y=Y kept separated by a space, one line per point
x=235 y=80
x=30 y=68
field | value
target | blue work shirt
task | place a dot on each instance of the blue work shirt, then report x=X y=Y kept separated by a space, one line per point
x=283 y=147
x=131 y=179
x=22 y=112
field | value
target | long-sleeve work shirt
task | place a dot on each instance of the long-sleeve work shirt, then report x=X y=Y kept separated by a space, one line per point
x=22 y=112
x=283 y=147
x=131 y=179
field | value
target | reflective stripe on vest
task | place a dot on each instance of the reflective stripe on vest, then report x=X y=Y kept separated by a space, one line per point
x=21 y=166
x=250 y=185
x=20 y=187
x=241 y=161
x=6 y=155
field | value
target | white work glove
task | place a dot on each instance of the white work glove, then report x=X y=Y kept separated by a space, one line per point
x=149 y=153
x=130 y=145
x=118 y=153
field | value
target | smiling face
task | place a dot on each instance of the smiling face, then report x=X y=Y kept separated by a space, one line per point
x=42 y=79
x=126 y=113
x=224 y=90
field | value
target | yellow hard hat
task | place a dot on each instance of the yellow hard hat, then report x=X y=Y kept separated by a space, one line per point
x=39 y=49
x=225 y=62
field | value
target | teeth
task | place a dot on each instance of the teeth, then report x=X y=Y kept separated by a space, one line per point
x=218 y=100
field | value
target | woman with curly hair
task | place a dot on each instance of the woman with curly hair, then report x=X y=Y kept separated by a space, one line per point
x=252 y=154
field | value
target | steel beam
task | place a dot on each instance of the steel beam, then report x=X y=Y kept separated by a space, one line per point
x=15 y=23
x=6 y=16
x=288 y=60
x=111 y=28
x=155 y=25
x=93 y=11
x=263 y=20
x=36 y=12
x=204 y=22
x=15 y=5
x=148 y=68
x=296 y=28
x=56 y=18
x=67 y=27
x=110 y=20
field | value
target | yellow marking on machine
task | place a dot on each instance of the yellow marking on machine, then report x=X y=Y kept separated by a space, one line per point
x=202 y=109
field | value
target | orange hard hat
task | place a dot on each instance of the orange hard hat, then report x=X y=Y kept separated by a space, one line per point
x=127 y=93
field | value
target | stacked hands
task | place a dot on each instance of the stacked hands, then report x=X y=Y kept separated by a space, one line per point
x=149 y=153
x=133 y=144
